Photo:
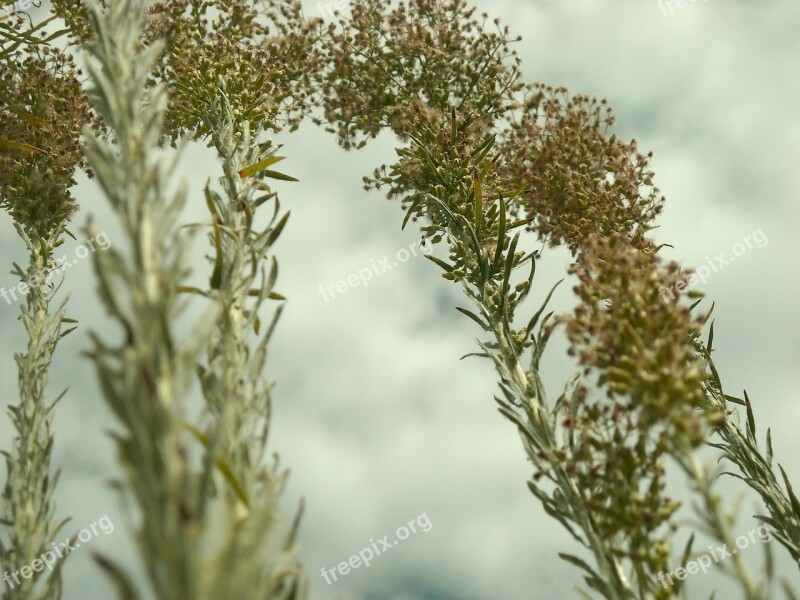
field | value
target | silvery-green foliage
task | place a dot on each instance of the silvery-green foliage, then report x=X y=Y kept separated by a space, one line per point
x=26 y=503
x=238 y=398
x=211 y=530
x=144 y=375
x=755 y=469
x=42 y=108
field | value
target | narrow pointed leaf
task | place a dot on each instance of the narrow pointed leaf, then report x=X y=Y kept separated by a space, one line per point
x=259 y=166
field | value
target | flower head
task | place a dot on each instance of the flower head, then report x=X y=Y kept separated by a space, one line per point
x=42 y=112
x=576 y=179
x=638 y=346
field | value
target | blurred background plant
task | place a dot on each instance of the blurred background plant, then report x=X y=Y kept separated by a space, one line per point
x=235 y=542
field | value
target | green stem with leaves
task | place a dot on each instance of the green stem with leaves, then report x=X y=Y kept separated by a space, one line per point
x=262 y=550
x=755 y=469
x=27 y=500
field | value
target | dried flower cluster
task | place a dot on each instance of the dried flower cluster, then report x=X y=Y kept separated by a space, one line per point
x=624 y=331
x=635 y=344
x=264 y=51
x=576 y=178
x=42 y=110
x=408 y=64
x=407 y=68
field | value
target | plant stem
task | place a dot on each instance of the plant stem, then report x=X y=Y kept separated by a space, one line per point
x=27 y=499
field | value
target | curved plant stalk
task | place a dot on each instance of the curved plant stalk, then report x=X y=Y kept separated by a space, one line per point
x=483 y=255
x=557 y=172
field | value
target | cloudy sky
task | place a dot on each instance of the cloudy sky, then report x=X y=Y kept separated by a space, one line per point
x=378 y=420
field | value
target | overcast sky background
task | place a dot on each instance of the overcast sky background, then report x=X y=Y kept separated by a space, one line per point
x=375 y=416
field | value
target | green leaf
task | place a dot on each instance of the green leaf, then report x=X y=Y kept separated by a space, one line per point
x=212 y=206
x=476 y=182
x=221 y=464
x=20 y=146
x=710 y=338
x=439 y=261
x=410 y=211
x=751 y=420
x=593 y=580
x=535 y=318
x=26 y=116
x=769 y=449
x=474 y=317
x=479 y=354
x=277 y=175
x=519 y=223
x=276 y=231
x=529 y=283
x=482 y=150
x=501 y=236
x=121 y=581
x=260 y=166
x=261 y=199
x=512 y=249
x=216 y=275
x=685 y=558
x=188 y=289
x=792 y=497
x=735 y=400
x=66 y=332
